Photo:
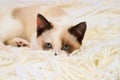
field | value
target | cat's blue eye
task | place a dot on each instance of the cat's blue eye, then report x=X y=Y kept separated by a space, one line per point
x=65 y=47
x=48 y=45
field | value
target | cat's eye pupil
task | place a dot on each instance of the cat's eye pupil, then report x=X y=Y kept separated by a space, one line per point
x=48 y=45
x=65 y=47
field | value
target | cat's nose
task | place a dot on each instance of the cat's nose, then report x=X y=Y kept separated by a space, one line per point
x=55 y=54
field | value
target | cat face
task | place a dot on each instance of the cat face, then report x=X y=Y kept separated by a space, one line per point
x=58 y=38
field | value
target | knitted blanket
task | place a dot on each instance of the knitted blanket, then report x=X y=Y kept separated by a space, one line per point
x=97 y=59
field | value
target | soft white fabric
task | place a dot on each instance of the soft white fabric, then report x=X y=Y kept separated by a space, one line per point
x=98 y=58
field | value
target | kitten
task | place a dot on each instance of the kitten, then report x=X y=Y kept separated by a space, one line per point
x=54 y=31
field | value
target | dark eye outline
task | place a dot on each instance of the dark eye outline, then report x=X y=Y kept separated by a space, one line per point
x=65 y=47
x=48 y=45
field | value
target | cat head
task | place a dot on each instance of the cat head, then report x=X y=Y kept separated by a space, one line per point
x=57 y=37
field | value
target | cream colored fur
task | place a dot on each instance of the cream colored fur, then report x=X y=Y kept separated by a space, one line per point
x=24 y=24
x=98 y=58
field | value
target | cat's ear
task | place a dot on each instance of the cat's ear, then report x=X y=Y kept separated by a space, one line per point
x=42 y=24
x=78 y=31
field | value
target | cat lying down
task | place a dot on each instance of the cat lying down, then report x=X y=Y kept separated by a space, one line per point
x=46 y=28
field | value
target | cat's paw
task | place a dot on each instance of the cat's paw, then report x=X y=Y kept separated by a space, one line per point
x=18 y=42
x=22 y=43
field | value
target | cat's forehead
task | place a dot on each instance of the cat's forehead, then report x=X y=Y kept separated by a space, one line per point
x=58 y=34
x=54 y=34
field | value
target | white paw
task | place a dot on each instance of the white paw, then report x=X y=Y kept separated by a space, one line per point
x=22 y=43
x=19 y=42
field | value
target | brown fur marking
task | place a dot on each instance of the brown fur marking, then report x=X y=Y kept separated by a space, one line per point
x=78 y=31
x=68 y=39
x=42 y=25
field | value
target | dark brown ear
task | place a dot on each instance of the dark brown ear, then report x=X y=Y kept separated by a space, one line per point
x=78 y=31
x=42 y=24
